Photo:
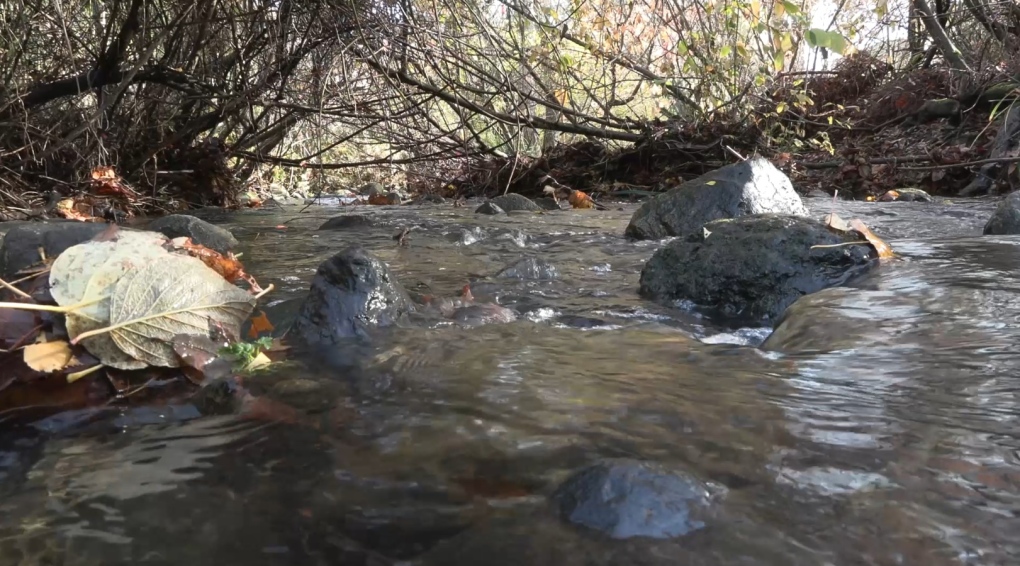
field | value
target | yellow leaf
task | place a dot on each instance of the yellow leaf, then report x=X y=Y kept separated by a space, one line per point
x=48 y=357
x=260 y=361
x=709 y=182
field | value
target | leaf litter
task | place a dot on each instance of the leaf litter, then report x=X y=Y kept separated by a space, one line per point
x=133 y=300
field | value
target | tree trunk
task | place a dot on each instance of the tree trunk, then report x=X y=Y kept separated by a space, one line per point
x=939 y=36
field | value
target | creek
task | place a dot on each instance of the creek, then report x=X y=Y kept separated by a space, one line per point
x=889 y=433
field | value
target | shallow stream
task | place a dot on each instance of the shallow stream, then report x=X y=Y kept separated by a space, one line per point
x=892 y=436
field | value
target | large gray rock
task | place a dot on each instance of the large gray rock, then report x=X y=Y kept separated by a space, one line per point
x=21 y=244
x=1006 y=218
x=753 y=267
x=754 y=186
x=630 y=498
x=488 y=208
x=512 y=202
x=351 y=293
x=200 y=231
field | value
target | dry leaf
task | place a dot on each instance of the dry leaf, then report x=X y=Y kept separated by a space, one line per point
x=259 y=324
x=106 y=182
x=88 y=272
x=890 y=196
x=151 y=305
x=833 y=222
x=379 y=199
x=48 y=357
x=883 y=249
x=579 y=199
x=70 y=209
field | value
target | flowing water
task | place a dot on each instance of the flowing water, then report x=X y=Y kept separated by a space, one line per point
x=888 y=434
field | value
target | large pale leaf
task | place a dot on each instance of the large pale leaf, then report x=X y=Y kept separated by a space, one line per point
x=177 y=295
x=87 y=273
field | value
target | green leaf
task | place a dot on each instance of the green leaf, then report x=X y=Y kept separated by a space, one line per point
x=791 y=8
x=830 y=40
x=725 y=51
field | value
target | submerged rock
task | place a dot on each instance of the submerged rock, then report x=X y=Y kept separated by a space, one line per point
x=352 y=292
x=529 y=268
x=512 y=202
x=1006 y=218
x=346 y=222
x=200 y=231
x=630 y=498
x=754 y=186
x=483 y=313
x=21 y=244
x=753 y=267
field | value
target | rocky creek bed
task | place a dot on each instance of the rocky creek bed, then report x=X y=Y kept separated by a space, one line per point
x=877 y=425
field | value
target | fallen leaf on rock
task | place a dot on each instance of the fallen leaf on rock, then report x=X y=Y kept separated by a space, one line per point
x=259 y=324
x=833 y=222
x=152 y=304
x=580 y=199
x=890 y=196
x=48 y=357
x=378 y=199
x=227 y=266
x=70 y=209
x=84 y=276
x=106 y=182
x=883 y=249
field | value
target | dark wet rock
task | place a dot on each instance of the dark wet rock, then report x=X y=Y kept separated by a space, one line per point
x=347 y=222
x=630 y=498
x=547 y=203
x=200 y=231
x=582 y=322
x=818 y=193
x=753 y=267
x=511 y=202
x=529 y=268
x=483 y=313
x=754 y=186
x=1006 y=218
x=906 y=195
x=21 y=244
x=488 y=207
x=351 y=292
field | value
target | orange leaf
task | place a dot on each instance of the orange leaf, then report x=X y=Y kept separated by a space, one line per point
x=889 y=196
x=259 y=324
x=103 y=173
x=227 y=266
x=379 y=199
x=579 y=199
x=883 y=249
x=70 y=209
